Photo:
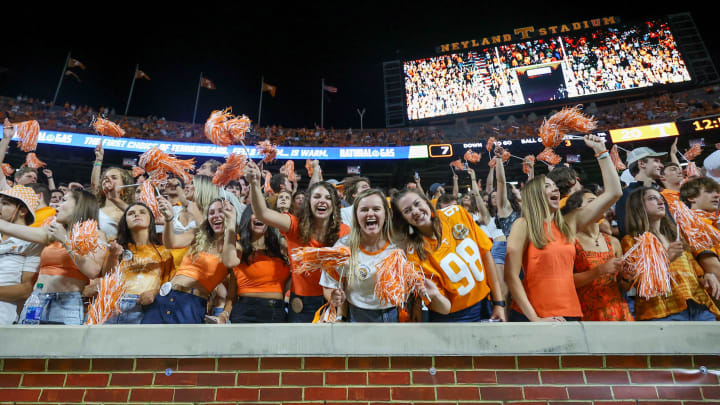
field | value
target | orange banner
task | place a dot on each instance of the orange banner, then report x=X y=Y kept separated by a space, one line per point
x=662 y=130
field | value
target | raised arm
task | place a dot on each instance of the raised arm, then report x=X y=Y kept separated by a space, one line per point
x=417 y=183
x=97 y=168
x=503 y=209
x=490 y=180
x=317 y=173
x=475 y=194
x=230 y=249
x=51 y=182
x=262 y=212
x=171 y=240
x=8 y=132
x=611 y=184
x=455 y=188
x=674 y=152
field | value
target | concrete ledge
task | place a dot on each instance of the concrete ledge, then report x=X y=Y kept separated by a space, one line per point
x=298 y=340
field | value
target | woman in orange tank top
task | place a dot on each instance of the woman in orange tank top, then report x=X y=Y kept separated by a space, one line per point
x=542 y=243
x=63 y=273
x=183 y=299
x=261 y=273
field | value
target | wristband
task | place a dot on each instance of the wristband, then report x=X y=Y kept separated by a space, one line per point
x=499 y=304
x=98 y=164
x=603 y=155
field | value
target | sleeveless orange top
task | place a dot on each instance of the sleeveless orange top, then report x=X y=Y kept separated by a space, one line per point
x=56 y=261
x=264 y=274
x=207 y=269
x=549 y=282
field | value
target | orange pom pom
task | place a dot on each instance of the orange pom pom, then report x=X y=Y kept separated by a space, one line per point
x=691 y=171
x=615 y=157
x=147 y=196
x=457 y=164
x=156 y=160
x=267 y=189
x=472 y=157
x=106 y=127
x=647 y=263
x=83 y=238
x=106 y=304
x=693 y=152
x=238 y=127
x=309 y=167
x=137 y=171
x=310 y=259
x=699 y=234
x=267 y=150
x=288 y=169
x=32 y=161
x=553 y=130
x=223 y=129
x=232 y=169
x=490 y=144
x=7 y=169
x=395 y=278
x=28 y=132
x=527 y=164
x=549 y=156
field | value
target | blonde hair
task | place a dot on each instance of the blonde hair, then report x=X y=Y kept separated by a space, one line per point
x=127 y=194
x=205 y=191
x=204 y=237
x=536 y=211
x=353 y=269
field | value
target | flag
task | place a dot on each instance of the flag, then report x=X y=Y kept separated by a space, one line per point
x=75 y=63
x=269 y=88
x=71 y=73
x=207 y=83
x=141 y=75
x=330 y=89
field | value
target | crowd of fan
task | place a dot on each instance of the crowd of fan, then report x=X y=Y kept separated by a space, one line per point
x=254 y=251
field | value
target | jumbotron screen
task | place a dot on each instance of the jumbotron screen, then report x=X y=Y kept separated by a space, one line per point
x=602 y=60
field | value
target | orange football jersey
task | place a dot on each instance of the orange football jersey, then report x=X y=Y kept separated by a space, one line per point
x=456 y=267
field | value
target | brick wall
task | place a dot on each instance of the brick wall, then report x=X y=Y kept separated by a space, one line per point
x=588 y=379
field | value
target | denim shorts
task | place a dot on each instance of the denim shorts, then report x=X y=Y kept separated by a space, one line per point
x=130 y=311
x=498 y=251
x=475 y=313
x=61 y=308
x=373 y=315
x=310 y=305
x=258 y=310
x=176 y=308
x=693 y=312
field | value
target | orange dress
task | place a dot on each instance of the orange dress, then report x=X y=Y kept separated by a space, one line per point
x=600 y=299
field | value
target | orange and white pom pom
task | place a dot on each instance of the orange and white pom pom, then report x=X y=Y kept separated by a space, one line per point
x=157 y=178
x=699 y=234
x=309 y=167
x=553 y=130
x=215 y=129
x=84 y=238
x=7 y=169
x=457 y=165
x=693 y=152
x=472 y=157
x=310 y=259
x=155 y=159
x=288 y=169
x=147 y=196
x=396 y=278
x=106 y=304
x=528 y=164
x=32 y=161
x=28 y=132
x=267 y=150
x=490 y=144
x=137 y=171
x=106 y=127
x=647 y=263
x=237 y=127
x=691 y=171
x=267 y=188
x=232 y=169
x=549 y=156
x=615 y=157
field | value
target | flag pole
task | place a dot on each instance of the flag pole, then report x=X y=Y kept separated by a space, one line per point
x=322 y=103
x=132 y=86
x=262 y=87
x=62 y=75
x=197 y=98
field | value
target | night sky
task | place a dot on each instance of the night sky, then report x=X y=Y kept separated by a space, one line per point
x=293 y=45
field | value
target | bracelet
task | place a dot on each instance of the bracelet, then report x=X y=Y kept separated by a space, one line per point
x=98 y=164
x=499 y=304
x=600 y=153
x=603 y=155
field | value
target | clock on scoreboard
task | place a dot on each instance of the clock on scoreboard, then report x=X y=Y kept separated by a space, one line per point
x=703 y=124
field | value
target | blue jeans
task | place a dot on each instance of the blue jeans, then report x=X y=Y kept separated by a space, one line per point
x=309 y=307
x=130 y=311
x=258 y=310
x=64 y=308
x=693 y=312
x=498 y=251
x=373 y=315
x=474 y=313
x=176 y=307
